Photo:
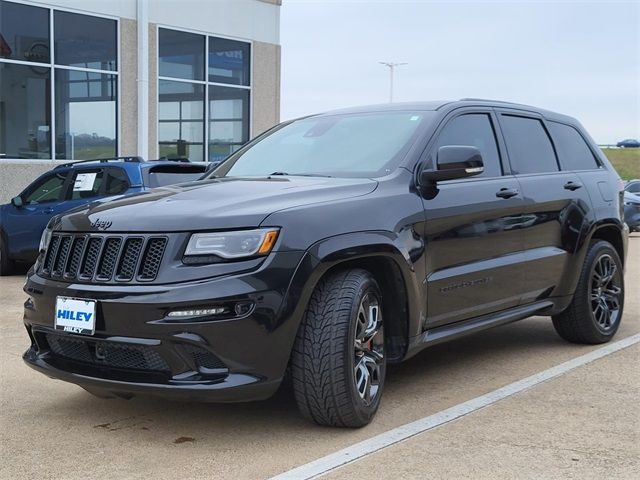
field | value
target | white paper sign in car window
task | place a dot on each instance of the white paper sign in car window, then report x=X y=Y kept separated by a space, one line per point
x=84 y=182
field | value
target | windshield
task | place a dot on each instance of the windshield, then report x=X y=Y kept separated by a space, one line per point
x=634 y=187
x=355 y=145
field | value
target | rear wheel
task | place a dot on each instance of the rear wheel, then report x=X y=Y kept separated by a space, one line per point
x=595 y=312
x=6 y=264
x=338 y=363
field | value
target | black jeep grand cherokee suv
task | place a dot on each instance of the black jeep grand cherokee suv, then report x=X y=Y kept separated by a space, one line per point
x=329 y=247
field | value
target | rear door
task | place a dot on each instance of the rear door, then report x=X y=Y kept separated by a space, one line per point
x=472 y=235
x=556 y=203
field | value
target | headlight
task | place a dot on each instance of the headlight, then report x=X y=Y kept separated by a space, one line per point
x=231 y=245
x=44 y=239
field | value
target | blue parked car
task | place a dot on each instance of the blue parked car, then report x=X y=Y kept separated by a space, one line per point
x=74 y=184
x=629 y=143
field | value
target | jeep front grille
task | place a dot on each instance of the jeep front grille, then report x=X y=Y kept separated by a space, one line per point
x=97 y=258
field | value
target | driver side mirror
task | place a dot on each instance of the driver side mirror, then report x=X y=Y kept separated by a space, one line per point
x=452 y=162
x=17 y=201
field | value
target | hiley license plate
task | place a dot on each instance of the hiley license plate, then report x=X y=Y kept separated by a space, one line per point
x=75 y=315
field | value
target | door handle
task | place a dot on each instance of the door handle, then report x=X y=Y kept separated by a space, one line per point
x=507 y=193
x=572 y=186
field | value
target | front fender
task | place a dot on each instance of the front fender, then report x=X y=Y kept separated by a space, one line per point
x=352 y=249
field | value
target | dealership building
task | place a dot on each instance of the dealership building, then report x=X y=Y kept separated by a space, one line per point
x=84 y=79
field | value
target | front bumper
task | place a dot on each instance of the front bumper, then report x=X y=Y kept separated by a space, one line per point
x=138 y=349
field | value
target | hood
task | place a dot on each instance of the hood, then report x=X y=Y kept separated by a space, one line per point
x=223 y=203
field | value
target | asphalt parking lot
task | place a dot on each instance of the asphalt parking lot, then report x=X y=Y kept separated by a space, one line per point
x=582 y=424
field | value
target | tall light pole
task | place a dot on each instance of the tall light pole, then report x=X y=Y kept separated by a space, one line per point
x=391 y=66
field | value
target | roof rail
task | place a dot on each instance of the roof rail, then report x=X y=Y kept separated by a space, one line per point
x=104 y=160
x=504 y=102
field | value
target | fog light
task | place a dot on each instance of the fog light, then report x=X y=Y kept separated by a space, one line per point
x=202 y=312
x=243 y=308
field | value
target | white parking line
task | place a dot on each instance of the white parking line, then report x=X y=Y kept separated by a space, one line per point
x=350 y=454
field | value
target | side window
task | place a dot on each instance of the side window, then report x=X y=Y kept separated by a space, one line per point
x=474 y=129
x=86 y=183
x=529 y=146
x=117 y=181
x=48 y=189
x=573 y=151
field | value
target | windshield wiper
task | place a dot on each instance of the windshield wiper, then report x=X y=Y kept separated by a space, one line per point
x=300 y=174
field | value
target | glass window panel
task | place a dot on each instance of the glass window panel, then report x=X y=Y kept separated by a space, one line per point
x=48 y=189
x=25 y=120
x=85 y=115
x=364 y=144
x=169 y=131
x=181 y=55
x=192 y=132
x=192 y=109
x=181 y=131
x=85 y=41
x=24 y=32
x=117 y=181
x=573 y=151
x=91 y=187
x=229 y=61
x=226 y=132
x=529 y=146
x=168 y=110
x=228 y=121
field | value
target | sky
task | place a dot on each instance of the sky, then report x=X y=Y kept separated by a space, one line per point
x=577 y=58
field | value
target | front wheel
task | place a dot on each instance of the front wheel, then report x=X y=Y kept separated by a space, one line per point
x=595 y=312
x=338 y=363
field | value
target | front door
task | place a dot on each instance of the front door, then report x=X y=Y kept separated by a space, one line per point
x=41 y=200
x=474 y=243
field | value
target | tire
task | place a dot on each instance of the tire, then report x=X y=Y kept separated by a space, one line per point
x=338 y=363
x=7 y=265
x=594 y=314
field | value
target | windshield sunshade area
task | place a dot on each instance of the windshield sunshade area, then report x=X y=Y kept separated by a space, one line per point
x=355 y=145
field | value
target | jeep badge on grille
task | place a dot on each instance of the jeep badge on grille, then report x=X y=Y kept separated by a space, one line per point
x=101 y=224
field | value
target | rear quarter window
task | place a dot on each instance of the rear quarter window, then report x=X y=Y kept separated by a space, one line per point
x=572 y=149
x=117 y=181
x=529 y=147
